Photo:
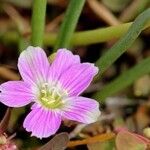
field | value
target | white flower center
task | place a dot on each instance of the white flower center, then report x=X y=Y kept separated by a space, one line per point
x=52 y=96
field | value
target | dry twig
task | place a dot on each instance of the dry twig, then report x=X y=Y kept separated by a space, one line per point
x=7 y=74
x=102 y=12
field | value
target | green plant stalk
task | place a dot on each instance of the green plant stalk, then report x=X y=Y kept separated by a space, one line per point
x=81 y=38
x=99 y=35
x=124 y=43
x=68 y=26
x=38 y=22
x=22 y=44
x=124 y=80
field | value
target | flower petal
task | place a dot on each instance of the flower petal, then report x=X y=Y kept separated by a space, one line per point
x=64 y=59
x=76 y=79
x=81 y=109
x=15 y=93
x=41 y=122
x=33 y=65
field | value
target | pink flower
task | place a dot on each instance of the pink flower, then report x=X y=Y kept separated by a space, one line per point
x=54 y=90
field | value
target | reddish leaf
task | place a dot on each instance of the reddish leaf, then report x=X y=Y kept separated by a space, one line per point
x=59 y=142
x=130 y=141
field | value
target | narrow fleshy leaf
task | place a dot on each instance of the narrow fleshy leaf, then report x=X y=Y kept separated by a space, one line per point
x=38 y=22
x=69 y=23
x=125 y=42
x=124 y=80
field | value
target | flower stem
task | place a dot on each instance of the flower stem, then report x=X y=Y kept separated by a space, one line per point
x=68 y=26
x=38 y=22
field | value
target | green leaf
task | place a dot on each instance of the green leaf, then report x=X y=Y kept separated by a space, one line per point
x=124 y=80
x=69 y=23
x=124 y=43
x=81 y=38
x=38 y=22
x=128 y=141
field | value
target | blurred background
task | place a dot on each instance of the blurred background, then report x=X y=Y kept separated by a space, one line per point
x=129 y=108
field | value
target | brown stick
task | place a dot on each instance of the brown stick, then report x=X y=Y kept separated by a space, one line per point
x=97 y=138
x=7 y=74
x=102 y=12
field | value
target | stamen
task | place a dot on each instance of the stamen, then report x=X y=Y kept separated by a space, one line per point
x=44 y=99
x=43 y=91
x=52 y=96
x=51 y=102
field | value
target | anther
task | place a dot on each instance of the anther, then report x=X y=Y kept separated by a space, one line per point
x=44 y=99
x=43 y=91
